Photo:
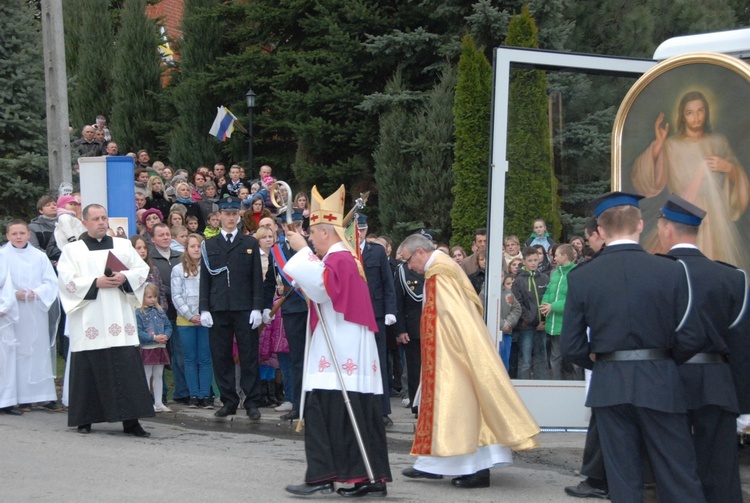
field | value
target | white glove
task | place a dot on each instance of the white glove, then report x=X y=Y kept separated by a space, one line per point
x=267 y=318
x=255 y=318
x=206 y=319
x=743 y=421
x=390 y=319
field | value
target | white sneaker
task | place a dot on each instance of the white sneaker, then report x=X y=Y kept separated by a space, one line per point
x=284 y=407
x=405 y=402
x=162 y=408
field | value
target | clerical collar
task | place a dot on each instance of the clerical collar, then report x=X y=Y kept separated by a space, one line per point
x=103 y=243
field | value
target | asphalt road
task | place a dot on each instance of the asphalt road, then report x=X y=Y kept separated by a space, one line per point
x=192 y=456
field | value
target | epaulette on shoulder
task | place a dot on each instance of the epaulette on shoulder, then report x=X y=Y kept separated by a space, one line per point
x=670 y=257
x=724 y=263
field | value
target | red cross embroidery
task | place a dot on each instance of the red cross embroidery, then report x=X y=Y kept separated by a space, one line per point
x=374 y=366
x=349 y=366
x=330 y=217
x=70 y=287
x=91 y=333
x=313 y=218
x=129 y=329
x=115 y=329
x=323 y=364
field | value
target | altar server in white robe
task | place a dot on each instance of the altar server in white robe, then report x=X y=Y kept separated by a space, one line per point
x=35 y=286
x=8 y=318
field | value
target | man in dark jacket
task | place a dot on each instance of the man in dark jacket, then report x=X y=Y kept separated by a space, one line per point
x=409 y=293
x=713 y=401
x=165 y=258
x=632 y=311
x=231 y=300
x=383 y=296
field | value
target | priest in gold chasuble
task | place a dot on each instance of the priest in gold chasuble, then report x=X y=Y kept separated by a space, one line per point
x=470 y=415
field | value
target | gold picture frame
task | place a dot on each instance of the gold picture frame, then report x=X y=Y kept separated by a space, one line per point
x=705 y=161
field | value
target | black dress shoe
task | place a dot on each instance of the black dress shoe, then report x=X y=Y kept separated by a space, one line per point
x=413 y=473
x=586 y=490
x=290 y=416
x=12 y=410
x=308 y=489
x=376 y=489
x=253 y=413
x=387 y=421
x=183 y=401
x=85 y=429
x=225 y=411
x=475 y=481
x=137 y=431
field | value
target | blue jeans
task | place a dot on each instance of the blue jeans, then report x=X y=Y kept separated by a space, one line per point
x=177 y=362
x=505 y=345
x=532 y=351
x=198 y=367
x=287 y=374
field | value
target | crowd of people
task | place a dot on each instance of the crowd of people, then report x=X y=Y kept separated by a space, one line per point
x=208 y=288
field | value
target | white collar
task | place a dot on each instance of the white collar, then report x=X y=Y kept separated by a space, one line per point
x=622 y=242
x=684 y=245
x=225 y=233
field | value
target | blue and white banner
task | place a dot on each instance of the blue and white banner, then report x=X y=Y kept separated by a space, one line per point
x=109 y=181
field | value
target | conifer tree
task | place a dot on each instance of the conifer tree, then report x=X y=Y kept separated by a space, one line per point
x=23 y=141
x=192 y=96
x=531 y=187
x=472 y=122
x=89 y=42
x=136 y=80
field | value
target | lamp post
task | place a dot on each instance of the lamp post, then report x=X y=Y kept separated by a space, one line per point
x=250 y=97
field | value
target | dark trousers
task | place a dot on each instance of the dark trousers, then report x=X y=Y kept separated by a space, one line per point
x=413 y=354
x=593 y=460
x=383 y=357
x=295 y=327
x=226 y=325
x=622 y=429
x=715 y=442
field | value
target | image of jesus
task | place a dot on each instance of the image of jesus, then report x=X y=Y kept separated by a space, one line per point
x=700 y=166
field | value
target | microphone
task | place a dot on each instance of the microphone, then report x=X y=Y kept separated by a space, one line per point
x=108 y=272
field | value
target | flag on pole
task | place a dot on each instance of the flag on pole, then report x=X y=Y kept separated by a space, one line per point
x=223 y=124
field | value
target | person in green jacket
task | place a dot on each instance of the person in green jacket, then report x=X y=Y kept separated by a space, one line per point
x=553 y=303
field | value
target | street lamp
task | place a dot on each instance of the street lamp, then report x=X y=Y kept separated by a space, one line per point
x=250 y=97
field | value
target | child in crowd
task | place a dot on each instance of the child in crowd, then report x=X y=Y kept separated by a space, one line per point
x=154 y=330
x=154 y=276
x=477 y=278
x=179 y=238
x=529 y=288
x=174 y=218
x=191 y=222
x=510 y=313
x=212 y=229
x=194 y=336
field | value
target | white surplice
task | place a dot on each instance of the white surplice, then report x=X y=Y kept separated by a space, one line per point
x=353 y=344
x=8 y=319
x=108 y=320
x=30 y=269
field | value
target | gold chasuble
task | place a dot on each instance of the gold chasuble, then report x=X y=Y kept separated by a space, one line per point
x=467 y=399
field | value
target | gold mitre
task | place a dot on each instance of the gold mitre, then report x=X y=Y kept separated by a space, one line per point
x=329 y=210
